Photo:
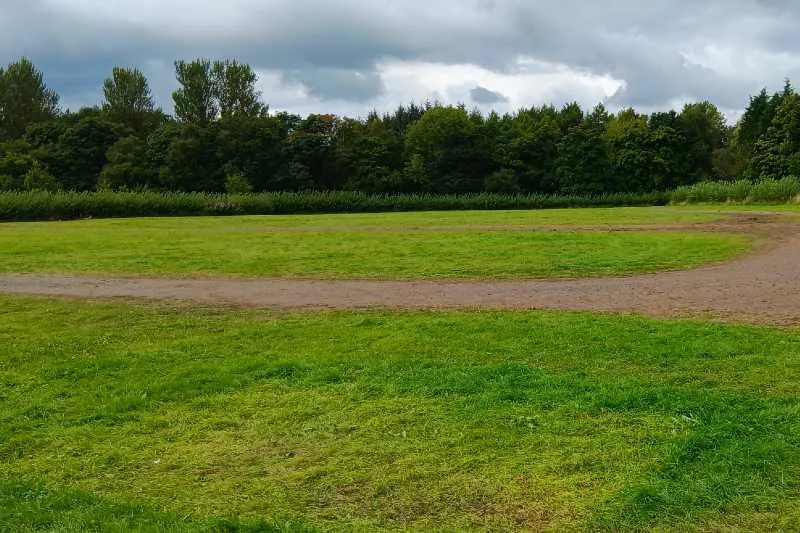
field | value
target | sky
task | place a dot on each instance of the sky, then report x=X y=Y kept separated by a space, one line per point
x=352 y=56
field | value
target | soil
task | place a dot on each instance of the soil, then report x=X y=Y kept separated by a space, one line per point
x=762 y=286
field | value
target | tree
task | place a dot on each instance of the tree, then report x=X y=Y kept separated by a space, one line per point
x=128 y=166
x=254 y=147
x=368 y=156
x=628 y=140
x=15 y=162
x=706 y=132
x=310 y=154
x=447 y=152
x=128 y=99
x=532 y=149
x=777 y=153
x=235 y=90
x=80 y=152
x=24 y=99
x=582 y=165
x=195 y=99
x=186 y=157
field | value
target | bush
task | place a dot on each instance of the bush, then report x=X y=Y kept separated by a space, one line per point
x=237 y=184
x=502 y=182
x=770 y=191
x=41 y=205
x=38 y=179
x=9 y=183
x=763 y=191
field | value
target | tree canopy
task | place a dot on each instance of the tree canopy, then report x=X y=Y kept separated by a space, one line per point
x=222 y=136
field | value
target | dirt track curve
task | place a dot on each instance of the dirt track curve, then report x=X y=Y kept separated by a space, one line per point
x=762 y=286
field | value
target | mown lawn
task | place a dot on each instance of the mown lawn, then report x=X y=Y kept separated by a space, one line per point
x=119 y=416
x=455 y=245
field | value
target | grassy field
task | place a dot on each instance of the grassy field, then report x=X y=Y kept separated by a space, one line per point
x=391 y=246
x=149 y=417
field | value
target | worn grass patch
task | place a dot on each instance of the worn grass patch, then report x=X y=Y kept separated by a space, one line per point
x=147 y=417
x=391 y=246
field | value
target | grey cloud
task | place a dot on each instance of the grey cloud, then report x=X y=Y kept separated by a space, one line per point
x=482 y=95
x=332 y=48
x=338 y=84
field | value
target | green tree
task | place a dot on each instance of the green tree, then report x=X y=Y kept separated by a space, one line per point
x=533 y=147
x=195 y=100
x=81 y=151
x=235 y=90
x=24 y=99
x=186 y=157
x=128 y=100
x=705 y=130
x=447 y=152
x=128 y=166
x=777 y=153
x=15 y=162
x=254 y=147
x=582 y=165
x=310 y=153
x=368 y=156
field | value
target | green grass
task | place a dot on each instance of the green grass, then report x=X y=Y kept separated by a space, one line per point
x=152 y=418
x=390 y=246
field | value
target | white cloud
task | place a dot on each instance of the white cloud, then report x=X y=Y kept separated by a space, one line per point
x=417 y=81
x=646 y=54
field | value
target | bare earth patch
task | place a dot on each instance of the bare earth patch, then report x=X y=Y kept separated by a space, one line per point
x=760 y=287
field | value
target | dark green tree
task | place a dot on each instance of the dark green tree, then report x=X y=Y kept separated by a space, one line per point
x=128 y=166
x=195 y=100
x=582 y=165
x=777 y=153
x=24 y=99
x=235 y=90
x=447 y=152
x=128 y=100
x=253 y=147
x=706 y=132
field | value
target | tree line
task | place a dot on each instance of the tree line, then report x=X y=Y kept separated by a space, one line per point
x=222 y=137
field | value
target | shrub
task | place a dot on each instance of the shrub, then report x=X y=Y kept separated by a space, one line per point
x=237 y=184
x=38 y=179
x=42 y=205
x=763 y=191
x=502 y=182
x=9 y=183
x=774 y=191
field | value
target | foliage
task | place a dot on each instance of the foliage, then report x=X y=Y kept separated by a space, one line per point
x=765 y=191
x=128 y=99
x=24 y=99
x=109 y=204
x=38 y=179
x=235 y=90
x=194 y=100
x=221 y=127
x=502 y=181
x=237 y=184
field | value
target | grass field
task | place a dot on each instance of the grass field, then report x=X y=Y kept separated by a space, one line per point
x=123 y=416
x=154 y=418
x=390 y=246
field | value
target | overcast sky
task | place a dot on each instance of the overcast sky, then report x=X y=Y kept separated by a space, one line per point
x=351 y=56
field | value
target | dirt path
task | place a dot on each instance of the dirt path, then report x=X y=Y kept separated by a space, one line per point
x=762 y=286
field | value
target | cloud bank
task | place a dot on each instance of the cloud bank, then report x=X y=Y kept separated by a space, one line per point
x=351 y=56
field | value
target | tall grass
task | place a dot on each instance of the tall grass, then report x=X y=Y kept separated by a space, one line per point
x=766 y=191
x=40 y=205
